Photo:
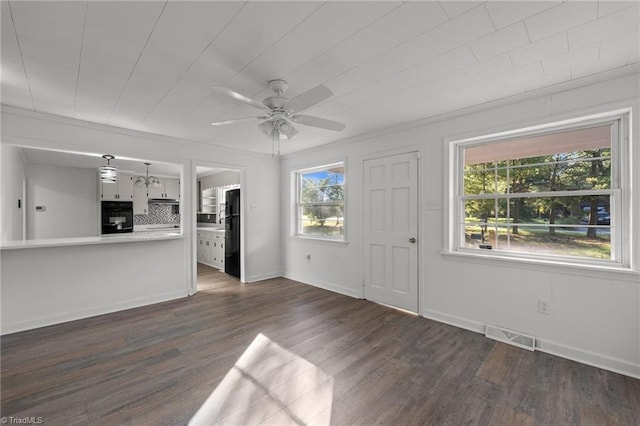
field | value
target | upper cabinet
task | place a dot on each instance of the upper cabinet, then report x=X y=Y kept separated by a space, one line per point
x=172 y=188
x=121 y=190
x=169 y=189
x=140 y=200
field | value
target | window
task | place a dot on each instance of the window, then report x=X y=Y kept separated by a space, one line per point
x=320 y=202
x=551 y=192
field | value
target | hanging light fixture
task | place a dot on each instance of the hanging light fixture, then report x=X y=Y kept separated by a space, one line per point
x=147 y=180
x=108 y=173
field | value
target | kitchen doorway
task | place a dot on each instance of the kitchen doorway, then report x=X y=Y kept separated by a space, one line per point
x=219 y=234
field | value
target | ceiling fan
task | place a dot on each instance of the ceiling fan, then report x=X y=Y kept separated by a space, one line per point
x=280 y=112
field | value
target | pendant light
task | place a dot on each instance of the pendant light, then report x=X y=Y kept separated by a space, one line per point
x=147 y=180
x=108 y=173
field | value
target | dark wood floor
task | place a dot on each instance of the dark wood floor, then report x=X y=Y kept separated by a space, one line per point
x=279 y=352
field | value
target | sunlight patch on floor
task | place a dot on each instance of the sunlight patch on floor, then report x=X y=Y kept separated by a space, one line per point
x=269 y=385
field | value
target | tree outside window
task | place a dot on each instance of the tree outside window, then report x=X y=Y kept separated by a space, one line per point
x=320 y=202
x=547 y=193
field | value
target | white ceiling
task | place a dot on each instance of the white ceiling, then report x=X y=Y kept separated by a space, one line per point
x=33 y=156
x=150 y=65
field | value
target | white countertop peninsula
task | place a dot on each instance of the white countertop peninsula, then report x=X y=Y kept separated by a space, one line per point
x=82 y=241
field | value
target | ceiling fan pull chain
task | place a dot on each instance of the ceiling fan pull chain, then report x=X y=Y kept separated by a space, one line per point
x=273 y=144
x=278 y=143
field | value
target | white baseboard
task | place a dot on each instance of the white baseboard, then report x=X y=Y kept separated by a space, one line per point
x=456 y=321
x=336 y=288
x=9 y=327
x=262 y=277
x=213 y=265
x=590 y=358
x=547 y=346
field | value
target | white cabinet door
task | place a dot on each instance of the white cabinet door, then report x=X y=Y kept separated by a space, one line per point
x=108 y=191
x=121 y=190
x=140 y=200
x=169 y=188
x=208 y=250
x=125 y=187
x=200 y=249
x=172 y=189
x=219 y=249
x=156 y=191
x=216 y=252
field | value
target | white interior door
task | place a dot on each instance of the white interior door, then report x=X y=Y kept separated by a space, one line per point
x=391 y=231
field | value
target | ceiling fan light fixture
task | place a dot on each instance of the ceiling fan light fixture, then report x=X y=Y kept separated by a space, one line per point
x=266 y=127
x=287 y=130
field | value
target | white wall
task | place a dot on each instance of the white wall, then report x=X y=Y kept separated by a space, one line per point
x=70 y=198
x=595 y=315
x=165 y=269
x=42 y=286
x=12 y=176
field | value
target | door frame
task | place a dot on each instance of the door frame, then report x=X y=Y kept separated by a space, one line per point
x=417 y=149
x=193 y=242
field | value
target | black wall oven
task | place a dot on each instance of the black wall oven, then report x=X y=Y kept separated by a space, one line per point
x=117 y=217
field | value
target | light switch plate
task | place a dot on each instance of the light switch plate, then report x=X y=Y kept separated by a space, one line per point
x=433 y=205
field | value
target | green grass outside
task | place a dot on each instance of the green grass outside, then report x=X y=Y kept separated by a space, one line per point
x=564 y=242
x=329 y=227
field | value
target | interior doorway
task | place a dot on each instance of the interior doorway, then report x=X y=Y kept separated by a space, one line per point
x=390 y=221
x=218 y=236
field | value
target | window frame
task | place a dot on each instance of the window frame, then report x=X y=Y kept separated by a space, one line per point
x=296 y=177
x=619 y=191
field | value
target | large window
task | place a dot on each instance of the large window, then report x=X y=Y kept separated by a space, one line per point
x=557 y=191
x=320 y=202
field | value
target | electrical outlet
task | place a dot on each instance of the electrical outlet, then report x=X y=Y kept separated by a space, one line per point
x=544 y=306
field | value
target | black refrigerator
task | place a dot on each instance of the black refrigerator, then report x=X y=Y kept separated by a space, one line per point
x=232 y=233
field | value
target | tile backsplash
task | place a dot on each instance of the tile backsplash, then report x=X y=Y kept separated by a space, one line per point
x=158 y=214
x=206 y=218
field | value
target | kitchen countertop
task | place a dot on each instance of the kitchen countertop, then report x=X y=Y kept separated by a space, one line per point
x=210 y=228
x=157 y=227
x=81 y=241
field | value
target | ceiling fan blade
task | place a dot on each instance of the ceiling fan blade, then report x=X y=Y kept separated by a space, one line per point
x=322 y=123
x=240 y=97
x=237 y=120
x=309 y=98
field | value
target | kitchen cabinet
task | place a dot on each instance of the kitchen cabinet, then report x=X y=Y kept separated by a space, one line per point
x=121 y=190
x=168 y=188
x=140 y=200
x=209 y=201
x=211 y=248
x=218 y=250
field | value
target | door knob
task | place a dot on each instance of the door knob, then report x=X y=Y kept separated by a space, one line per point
x=412 y=240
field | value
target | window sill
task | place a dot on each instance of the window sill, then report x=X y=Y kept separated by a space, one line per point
x=320 y=240
x=561 y=266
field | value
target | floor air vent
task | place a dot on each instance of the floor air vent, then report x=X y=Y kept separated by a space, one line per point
x=511 y=337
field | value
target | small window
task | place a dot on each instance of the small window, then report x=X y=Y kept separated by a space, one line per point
x=552 y=192
x=320 y=200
